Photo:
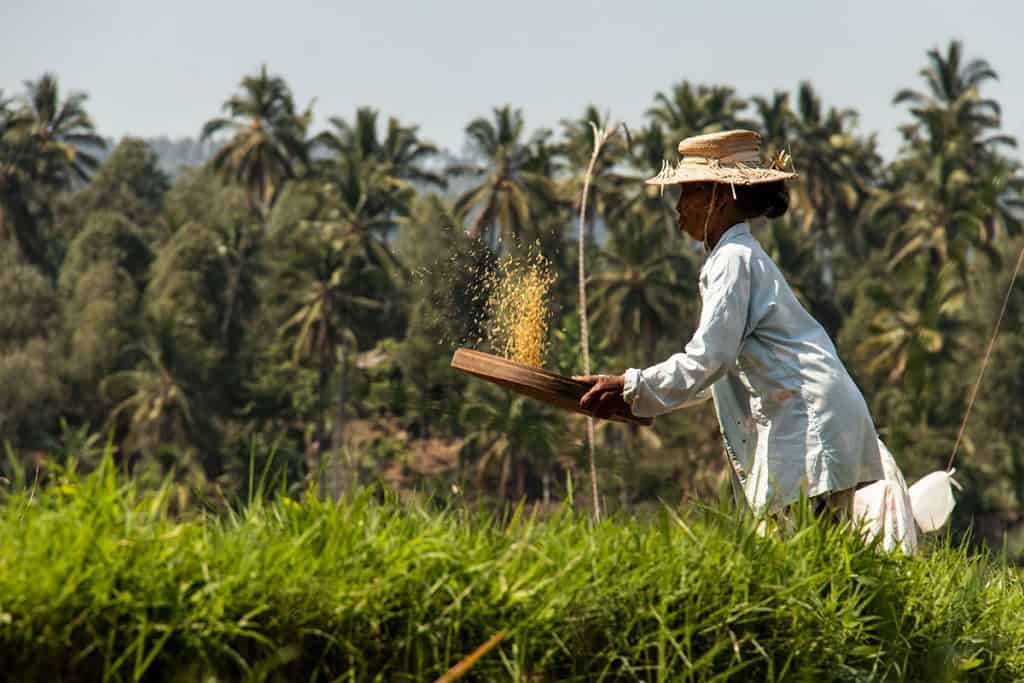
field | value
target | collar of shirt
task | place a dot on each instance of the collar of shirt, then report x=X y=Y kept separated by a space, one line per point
x=729 y=235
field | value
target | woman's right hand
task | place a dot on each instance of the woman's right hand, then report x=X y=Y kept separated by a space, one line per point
x=604 y=398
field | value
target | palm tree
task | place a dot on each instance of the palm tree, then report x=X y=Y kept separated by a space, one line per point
x=267 y=146
x=650 y=147
x=328 y=285
x=636 y=293
x=515 y=433
x=321 y=331
x=952 y=191
x=372 y=188
x=18 y=154
x=514 y=177
x=775 y=119
x=943 y=203
x=45 y=144
x=913 y=336
x=1001 y=189
x=953 y=102
x=953 y=149
x=366 y=198
x=834 y=165
x=154 y=396
x=940 y=217
x=64 y=133
x=266 y=149
x=693 y=110
x=400 y=155
x=6 y=110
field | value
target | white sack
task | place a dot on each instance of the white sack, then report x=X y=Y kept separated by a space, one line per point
x=886 y=509
x=932 y=499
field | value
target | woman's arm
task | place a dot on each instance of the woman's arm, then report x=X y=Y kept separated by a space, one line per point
x=711 y=352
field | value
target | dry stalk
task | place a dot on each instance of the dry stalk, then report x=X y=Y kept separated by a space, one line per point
x=601 y=136
x=457 y=671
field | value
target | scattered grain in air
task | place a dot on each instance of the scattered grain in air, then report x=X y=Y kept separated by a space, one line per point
x=518 y=308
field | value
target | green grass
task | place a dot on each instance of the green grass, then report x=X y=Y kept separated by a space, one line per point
x=98 y=581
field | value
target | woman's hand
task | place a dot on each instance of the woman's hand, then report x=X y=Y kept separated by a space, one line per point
x=605 y=396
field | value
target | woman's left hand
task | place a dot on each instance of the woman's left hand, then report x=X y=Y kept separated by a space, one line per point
x=605 y=396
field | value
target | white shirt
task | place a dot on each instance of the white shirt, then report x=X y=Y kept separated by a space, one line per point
x=792 y=418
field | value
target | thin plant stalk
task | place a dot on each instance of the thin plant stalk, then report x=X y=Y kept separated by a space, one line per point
x=601 y=136
x=460 y=669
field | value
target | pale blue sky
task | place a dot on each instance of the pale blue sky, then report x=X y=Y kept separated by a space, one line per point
x=154 y=68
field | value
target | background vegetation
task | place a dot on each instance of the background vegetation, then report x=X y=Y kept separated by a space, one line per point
x=299 y=294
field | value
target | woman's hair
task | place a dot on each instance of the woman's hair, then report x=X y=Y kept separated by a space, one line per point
x=763 y=199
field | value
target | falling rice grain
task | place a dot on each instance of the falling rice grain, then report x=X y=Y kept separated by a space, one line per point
x=518 y=308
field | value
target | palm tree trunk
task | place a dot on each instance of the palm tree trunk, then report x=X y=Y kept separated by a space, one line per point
x=321 y=447
x=629 y=467
x=506 y=465
x=479 y=225
x=521 y=479
x=338 y=466
x=21 y=226
x=261 y=202
x=234 y=277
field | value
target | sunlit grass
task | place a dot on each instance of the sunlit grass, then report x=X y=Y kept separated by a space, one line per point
x=98 y=581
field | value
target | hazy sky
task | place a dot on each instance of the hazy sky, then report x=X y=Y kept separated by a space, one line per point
x=154 y=68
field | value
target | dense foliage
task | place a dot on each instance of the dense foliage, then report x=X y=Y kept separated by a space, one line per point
x=100 y=582
x=301 y=292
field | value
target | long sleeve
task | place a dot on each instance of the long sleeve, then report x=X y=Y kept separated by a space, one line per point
x=686 y=377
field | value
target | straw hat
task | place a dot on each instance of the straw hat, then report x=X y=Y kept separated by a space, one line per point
x=732 y=156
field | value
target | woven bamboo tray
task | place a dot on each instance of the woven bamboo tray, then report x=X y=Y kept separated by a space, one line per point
x=557 y=390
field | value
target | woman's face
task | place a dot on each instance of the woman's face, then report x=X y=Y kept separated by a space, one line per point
x=692 y=208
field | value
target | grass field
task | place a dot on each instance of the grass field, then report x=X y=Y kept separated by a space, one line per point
x=99 y=582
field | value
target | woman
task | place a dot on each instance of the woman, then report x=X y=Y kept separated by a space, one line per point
x=792 y=418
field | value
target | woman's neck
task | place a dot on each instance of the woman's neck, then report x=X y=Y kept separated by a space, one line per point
x=715 y=234
x=727 y=215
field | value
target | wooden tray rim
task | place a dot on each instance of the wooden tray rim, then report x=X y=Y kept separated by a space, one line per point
x=503 y=376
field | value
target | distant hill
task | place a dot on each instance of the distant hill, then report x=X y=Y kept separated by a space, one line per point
x=174 y=153
x=182 y=152
x=178 y=153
